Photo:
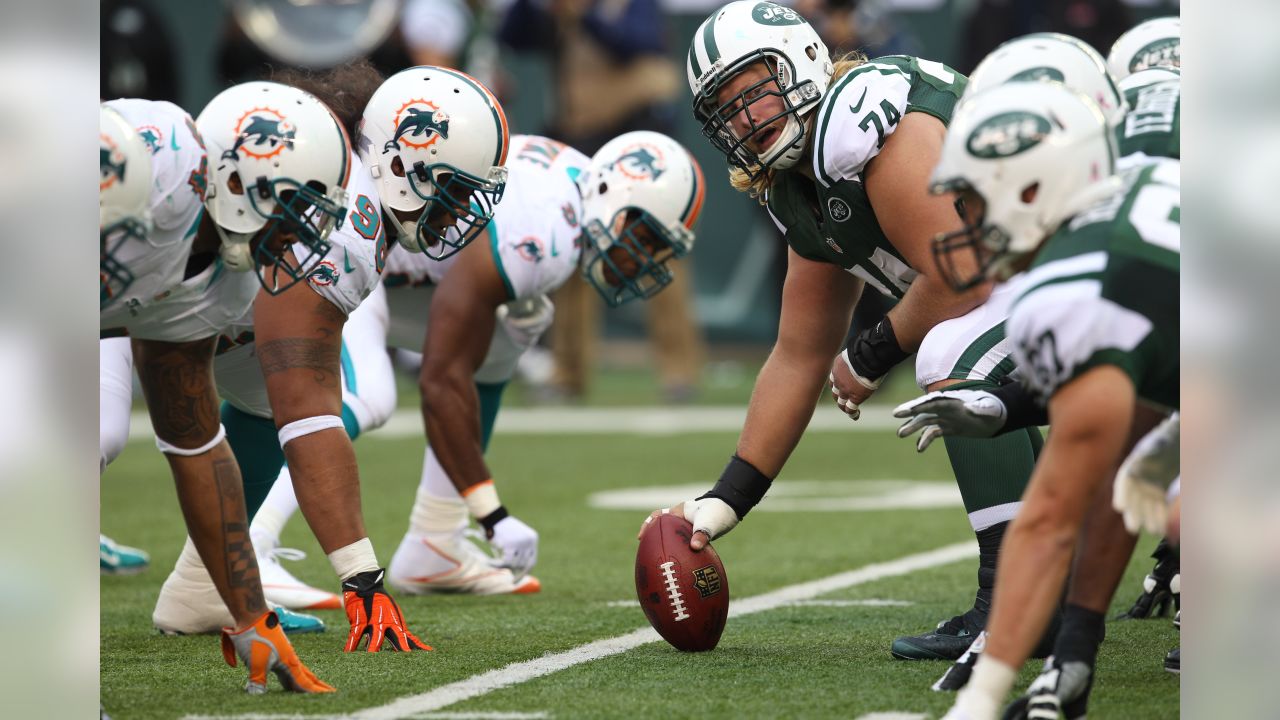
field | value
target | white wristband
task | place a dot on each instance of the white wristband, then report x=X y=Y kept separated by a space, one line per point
x=482 y=499
x=171 y=449
x=353 y=559
x=306 y=426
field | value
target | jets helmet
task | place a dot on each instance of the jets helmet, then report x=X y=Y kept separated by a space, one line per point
x=641 y=196
x=435 y=141
x=1030 y=151
x=280 y=163
x=124 y=199
x=1052 y=56
x=1148 y=77
x=1154 y=43
x=736 y=37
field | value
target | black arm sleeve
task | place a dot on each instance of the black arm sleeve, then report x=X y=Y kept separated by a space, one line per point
x=1021 y=408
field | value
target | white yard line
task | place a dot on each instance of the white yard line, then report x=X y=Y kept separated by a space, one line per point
x=407 y=422
x=893 y=716
x=516 y=673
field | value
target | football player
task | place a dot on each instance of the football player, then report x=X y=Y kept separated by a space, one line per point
x=1041 y=198
x=840 y=152
x=163 y=284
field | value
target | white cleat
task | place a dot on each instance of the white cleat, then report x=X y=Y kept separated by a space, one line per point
x=282 y=588
x=451 y=563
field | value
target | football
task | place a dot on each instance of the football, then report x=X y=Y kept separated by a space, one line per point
x=685 y=594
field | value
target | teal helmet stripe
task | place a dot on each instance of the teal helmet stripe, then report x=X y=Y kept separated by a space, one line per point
x=498 y=123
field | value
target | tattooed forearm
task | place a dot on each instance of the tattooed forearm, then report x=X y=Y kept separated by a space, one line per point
x=322 y=357
x=242 y=566
x=177 y=381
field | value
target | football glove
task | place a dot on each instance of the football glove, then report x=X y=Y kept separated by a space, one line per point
x=263 y=646
x=958 y=413
x=1160 y=588
x=1140 y=492
x=518 y=544
x=1057 y=689
x=711 y=516
x=373 y=614
x=849 y=388
x=525 y=320
x=957 y=676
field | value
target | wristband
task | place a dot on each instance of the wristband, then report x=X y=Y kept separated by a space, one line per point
x=741 y=486
x=875 y=351
x=482 y=499
x=1021 y=409
x=488 y=521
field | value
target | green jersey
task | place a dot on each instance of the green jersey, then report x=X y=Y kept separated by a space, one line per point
x=1152 y=127
x=832 y=220
x=1103 y=290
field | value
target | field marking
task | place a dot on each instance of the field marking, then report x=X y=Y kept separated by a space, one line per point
x=892 y=716
x=801 y=495
x=516 y=673
x=654 y=421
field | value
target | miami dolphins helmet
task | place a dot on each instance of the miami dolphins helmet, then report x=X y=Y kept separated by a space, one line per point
x=740 y=35
x=641 y=196
x=1052 y=56
x=124 y=199
x=1024 y=156
x=1154 y=43
x=280 y=162
x=435 y=141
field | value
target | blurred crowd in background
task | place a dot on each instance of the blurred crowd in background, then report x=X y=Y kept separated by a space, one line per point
x=584 y=71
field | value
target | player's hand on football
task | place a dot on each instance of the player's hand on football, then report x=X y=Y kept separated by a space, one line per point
x=518 y=544
x=958 y=413
x=711 y=518
x=849 y=388
x=1140 y=492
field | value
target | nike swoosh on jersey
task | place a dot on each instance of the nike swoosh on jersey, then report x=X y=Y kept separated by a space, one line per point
x=173 y=138
x=858 y=107
x=346 y=261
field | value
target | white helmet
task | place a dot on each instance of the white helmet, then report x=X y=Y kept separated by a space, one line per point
x=124 y=199
x=741 y=34
x=1154 y=43
x=1030 y=150
x=435 y=141
x=641 y=196
x=280 y=161
x=1052 y=56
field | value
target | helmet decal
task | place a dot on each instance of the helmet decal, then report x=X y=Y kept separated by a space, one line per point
x=1038 y=73
x=1162 y=52
x=112 y=161
x=261 y=133
x=417 y=118
x=767 y=13
x=641 y=162
x=1007 y=134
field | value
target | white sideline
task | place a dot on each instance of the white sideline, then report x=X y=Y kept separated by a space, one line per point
x=516 y=673
x=407 y=422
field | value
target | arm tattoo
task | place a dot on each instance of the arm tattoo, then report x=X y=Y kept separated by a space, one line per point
x=242 y=565
x=177 y=381
x=322 y=357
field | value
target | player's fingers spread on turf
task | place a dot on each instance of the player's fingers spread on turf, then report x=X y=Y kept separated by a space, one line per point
x=375 y=639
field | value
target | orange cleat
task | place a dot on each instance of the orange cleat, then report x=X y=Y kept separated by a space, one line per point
x=373 y=613
x=263 y=646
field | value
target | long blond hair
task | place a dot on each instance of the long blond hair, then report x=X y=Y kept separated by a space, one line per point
x=756 y=188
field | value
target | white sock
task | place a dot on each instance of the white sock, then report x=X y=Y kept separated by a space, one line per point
x=353 y=559
x=989 y=685
x=280 y=505
x=438 y=508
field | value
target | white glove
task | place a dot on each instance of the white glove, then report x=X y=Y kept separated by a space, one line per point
x=712 y=516
x=1141 y=490
x=518 y=544
x=958 y=413
x=525 y=320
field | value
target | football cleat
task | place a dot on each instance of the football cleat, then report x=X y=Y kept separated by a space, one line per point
x=189 y=603
x=451 y=563
x=285 y=590
x=957 y=676
x=374 y=615
x=116 y=559
x=263 y=647
x=1057 y=690
x=1173 y=661
x=953 y=637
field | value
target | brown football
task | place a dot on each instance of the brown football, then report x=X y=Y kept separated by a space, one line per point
x=685 y=594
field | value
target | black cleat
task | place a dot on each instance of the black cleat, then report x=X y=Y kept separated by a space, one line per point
x=1173 y=661
x=948 y=641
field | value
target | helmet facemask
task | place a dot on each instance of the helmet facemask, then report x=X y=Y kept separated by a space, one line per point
x=980 y=251
x=798 y=98
x=114 y=276
x=631 y=264
x=467 y=200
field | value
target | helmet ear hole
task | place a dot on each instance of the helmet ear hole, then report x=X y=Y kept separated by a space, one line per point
x=604 y=188
x=1029 y=193
x=234 y=184
x=812 y=52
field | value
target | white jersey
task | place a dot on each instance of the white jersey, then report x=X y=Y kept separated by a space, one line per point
x=160 y=304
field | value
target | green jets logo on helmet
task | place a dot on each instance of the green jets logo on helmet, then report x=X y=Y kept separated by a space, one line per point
x=1162 y=52
x=1007 y=134
x=1038 y=73
x=767 y=13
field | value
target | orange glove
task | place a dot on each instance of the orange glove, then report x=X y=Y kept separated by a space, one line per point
x=372 y=612
x=263 y=646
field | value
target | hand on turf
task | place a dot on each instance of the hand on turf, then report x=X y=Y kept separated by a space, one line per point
x=518 y=544
x=958 y=413
x=711 y=518
x=1061 y=689
x=373 y=614
x=849 y=388
x=1140 y=492
x=279 y=657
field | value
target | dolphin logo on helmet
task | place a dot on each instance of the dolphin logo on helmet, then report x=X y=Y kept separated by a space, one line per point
x=268 y=133
x=642 y=159
x=113 y=166
x=432 y=123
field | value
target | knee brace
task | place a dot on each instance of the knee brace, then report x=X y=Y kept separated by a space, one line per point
x=307 y=426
